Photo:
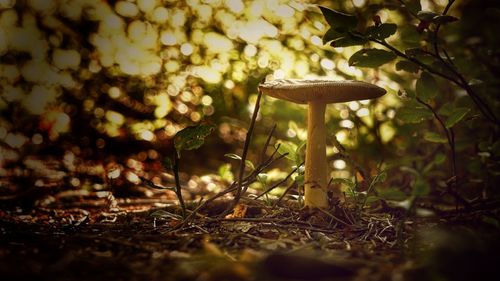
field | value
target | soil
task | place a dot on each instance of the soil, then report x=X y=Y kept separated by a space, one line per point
x=94 y=236
x=90 y=236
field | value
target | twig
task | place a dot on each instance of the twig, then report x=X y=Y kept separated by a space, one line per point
x=293 y=184
x=334 y=217
x=280 y=182
x=239 y=190
x=264 y=149
x=450 y=135
x=459 y=81
x=178 y=190
x=483 y=107
x=411 y=13
x=247 y=181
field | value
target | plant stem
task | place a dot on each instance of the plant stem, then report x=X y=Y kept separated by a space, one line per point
x=247 y=181
x=483 y=107
x=280 y=182
x=178 y=191
x=240 y=189
x=268 y=140
x=450 y=135
x=459 y=81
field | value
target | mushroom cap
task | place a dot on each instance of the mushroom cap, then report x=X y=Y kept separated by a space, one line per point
x=323 y=90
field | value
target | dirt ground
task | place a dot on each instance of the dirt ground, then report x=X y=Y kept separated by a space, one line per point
x=85 y=236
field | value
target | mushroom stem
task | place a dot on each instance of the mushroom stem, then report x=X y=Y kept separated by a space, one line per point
x=316 y=174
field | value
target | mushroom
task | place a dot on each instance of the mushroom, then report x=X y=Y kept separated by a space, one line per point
x=317 y=94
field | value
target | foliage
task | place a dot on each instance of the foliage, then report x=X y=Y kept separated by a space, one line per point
x=191 y=137
x=432 y=84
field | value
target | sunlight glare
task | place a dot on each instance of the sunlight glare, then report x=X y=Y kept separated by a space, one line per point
x=186 y=49
x=363 y=112
x=235 y=6
x=115 y=117
x=250 y=50
x=126 y=9
x=339 y=164
x=358 y=3
x=146 y=135
x=168 y=38
x=160 y=15
x=207 y=100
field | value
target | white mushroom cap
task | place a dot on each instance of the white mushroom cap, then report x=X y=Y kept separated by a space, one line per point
x=327 y=91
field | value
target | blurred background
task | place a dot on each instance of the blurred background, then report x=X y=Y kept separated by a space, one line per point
x=94 y=90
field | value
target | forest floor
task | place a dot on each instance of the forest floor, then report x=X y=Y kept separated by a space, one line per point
x=82 y=236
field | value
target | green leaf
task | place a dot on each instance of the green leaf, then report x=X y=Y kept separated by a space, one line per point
x=434 y=137
x=192 y=137
x=444 y=19
x=233 y=156
x=338 y=20
x=347 y=40
x=262 y=178
x=413 y=6
x=249 y=164
x=299 y=179
x=287 y=147
x=331 y=35
x=439 y=158
x=435 y=17
x=427 y=15
x=407 y=93
x=299 y=152
x=446 y=109
x=414 y=114
x=426 y=87
x=421 y=187
x=409 y=36
x=381 y=31
x=371 y=58
x=225 y=172
x=455 y=117
x=379 y=178
x=407 y=66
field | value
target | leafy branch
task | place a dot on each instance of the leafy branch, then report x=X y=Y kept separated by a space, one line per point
x=343 y=32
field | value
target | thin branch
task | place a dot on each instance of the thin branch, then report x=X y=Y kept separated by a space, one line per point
x=459 y=81
x=284 y=193
x=416 y=61
x=448 y=58
x=450 y=135
x=178 y=190
x=411 y=13
x=483 y=107
x=264 y=149
x=451 y=141
x=239 y=190
x=247 y=181
x=334 y=217
x=280 y=182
